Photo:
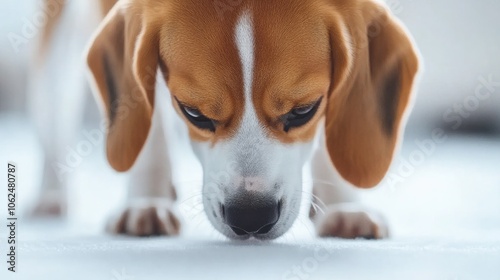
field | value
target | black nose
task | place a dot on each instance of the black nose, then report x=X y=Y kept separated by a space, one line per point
x=251 y=218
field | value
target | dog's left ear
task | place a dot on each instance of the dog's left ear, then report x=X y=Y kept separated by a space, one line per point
x=123 y=59
x=374 y=64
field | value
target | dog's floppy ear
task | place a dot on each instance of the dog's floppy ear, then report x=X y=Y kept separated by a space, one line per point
x=374 y=64
x=123 y=59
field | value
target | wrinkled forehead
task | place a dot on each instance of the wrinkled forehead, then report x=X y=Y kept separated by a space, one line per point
x=198 y=46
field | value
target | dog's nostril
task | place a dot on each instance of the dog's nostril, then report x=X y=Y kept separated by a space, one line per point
x=267 y=228
x=222 y=210
x=258 y=219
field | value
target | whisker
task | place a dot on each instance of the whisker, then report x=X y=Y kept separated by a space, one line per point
x=197 y=207
x=315 y=205
x=289 y=235
x=194 y=215
x=199 y=223
x=299 y=218
x=319 y=200
x=318 y=181
x=198 y=194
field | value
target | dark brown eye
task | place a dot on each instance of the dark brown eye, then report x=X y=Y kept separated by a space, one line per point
x=300 y=115
x=197 y=118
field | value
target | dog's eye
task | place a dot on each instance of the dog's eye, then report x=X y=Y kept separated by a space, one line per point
x=193 y=112
x=197 y=118
x=300 y=115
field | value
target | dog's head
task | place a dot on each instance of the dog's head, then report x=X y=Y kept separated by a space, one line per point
x=253 y=80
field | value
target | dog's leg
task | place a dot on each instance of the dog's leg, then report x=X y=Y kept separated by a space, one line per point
x=56 y=94
x=151 y=194
x=335 y=211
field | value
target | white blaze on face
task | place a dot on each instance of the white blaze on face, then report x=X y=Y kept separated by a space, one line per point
x=250 y=139
x=245 y=44
x=251 y=159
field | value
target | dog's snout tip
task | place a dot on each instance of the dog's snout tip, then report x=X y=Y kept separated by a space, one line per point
x=255 y=219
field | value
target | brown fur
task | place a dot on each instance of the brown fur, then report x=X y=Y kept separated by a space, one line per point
x=106 y=6
x=304 y=50
x=356 y=128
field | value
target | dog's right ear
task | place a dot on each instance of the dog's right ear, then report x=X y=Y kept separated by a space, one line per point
x=375 y=64
x=123 y=59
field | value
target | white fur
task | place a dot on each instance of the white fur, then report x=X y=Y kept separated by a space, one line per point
x=56 y=91
x=252 y=159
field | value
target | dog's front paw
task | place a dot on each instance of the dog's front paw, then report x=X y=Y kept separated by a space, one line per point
x=146 y=218
x=351 y=221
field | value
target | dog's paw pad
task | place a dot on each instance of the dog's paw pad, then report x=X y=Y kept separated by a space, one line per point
x=351 y=223
x=145 y=219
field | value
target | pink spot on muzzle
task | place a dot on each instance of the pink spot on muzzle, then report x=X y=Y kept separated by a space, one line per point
x=253 y=184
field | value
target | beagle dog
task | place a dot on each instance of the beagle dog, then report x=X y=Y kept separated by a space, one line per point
x=256 y=82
